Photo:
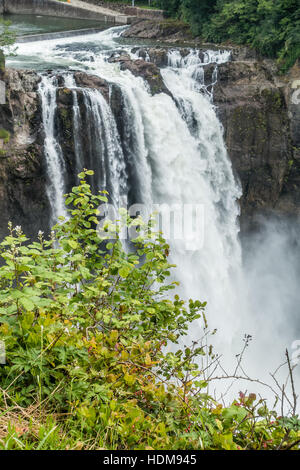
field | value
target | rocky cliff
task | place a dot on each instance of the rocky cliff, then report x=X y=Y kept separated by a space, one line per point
x=262 y=133
x=23 y=198
x=258 y=109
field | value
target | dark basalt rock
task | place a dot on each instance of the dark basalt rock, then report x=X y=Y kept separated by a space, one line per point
x=140 y=68
x=157 y=56
x=172 y=31
x=23 y=199
x=65 y=132
x=255 y=108
x=92 y=81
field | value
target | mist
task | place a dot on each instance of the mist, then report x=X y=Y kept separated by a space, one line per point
x=271 y=278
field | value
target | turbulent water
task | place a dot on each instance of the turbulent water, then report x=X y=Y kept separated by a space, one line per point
x=53 y=153
x=170 y=151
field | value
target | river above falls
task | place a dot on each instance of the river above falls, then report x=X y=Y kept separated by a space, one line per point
x=24 y=25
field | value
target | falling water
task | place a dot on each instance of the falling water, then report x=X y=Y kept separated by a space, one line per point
x=53 y=153
x=102 y=151
x=70 y=83
x=171 y=152
x=166 y=150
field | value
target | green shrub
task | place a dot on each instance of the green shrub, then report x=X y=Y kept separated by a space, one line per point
x=85 y=325
x=4 y=135
x=7 y=38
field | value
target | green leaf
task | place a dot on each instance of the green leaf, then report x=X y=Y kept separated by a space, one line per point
x=73 y=244
x=27 y=303
x=124 y=271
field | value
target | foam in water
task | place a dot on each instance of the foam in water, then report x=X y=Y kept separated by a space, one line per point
x=110 y=166
x=53 y=153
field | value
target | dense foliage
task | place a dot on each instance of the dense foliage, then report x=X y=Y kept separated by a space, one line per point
x=270 y=26
x=7 y=36
x=7 y=40
x=85 y=325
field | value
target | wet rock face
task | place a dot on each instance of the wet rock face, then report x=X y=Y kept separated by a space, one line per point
x=92 y=81
x=23 y=172
x=170 y=31
x=141 y=68
x=64 y=131
x=157 y=56
x=23 y=199
x=290 y=197
x=254 y=110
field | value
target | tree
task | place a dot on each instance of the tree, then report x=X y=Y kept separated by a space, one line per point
x=7 y=36
x=197 y=12
x=172 y=7
x=7 y=40
x=270 y=26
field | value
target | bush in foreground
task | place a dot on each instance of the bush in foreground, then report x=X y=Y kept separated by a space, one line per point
x=85 y=325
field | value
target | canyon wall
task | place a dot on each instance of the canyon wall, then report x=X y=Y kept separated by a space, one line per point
x=262 y=131
x=23 y=199
x=256 y=106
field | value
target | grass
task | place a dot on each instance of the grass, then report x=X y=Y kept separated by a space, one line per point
x=32 y=428
x=4 y=135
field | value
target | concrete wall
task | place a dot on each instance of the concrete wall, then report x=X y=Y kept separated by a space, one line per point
x=61 y=34
x=145 y=14
x=56 y=8
x=129 y=10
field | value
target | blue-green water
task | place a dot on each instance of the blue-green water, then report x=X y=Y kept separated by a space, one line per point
x=34 y=24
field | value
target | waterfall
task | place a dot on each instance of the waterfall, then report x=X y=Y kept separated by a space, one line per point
x=71 y=84
x=53 y=153
x=203 y=175
x=105 y=152
x=101 y=150
x=169 y=151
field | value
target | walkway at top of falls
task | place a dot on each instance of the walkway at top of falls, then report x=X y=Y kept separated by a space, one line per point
x=76 y=9
x=104 y=12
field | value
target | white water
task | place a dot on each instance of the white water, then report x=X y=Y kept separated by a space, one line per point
x=174 y=161
x=53 y=153
x=112 y=171
x=204 y=175
x=178 y=156
x=71 y=84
